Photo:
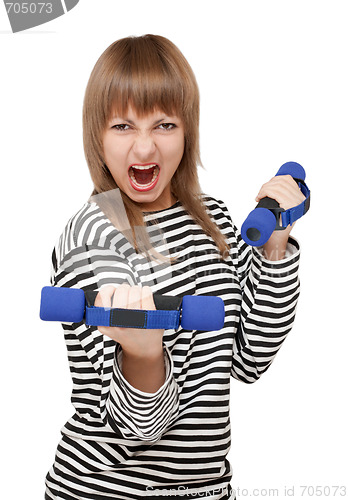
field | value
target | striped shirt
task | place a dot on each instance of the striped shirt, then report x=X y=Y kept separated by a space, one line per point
x=122 y=443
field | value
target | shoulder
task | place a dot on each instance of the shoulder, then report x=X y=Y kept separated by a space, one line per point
x=88 y=227
x=216 y=209
x=219 y=212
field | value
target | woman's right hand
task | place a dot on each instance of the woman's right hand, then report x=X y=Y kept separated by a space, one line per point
x=137 y=342
x=143 y=363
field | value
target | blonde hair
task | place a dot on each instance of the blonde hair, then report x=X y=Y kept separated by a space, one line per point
x=147 y=72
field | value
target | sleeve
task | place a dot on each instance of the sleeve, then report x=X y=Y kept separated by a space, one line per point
x=99 y=388
x=142 y=411
x=270 y=291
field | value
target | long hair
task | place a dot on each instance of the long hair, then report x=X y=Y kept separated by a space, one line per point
x=147 y=72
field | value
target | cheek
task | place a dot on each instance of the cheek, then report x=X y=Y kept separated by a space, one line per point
x=106 y=148
x=177 y=150
x=182 y=146
x=110 y=151
x=111 y=158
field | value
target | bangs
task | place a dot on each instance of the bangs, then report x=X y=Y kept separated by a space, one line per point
x=147 y=77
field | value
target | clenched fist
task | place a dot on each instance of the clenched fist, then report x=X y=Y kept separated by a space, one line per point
x=134 y=341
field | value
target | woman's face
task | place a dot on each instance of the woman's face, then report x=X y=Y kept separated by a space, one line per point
x=143 y=154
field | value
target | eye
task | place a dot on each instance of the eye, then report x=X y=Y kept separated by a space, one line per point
x=167 y=126
x=121 y=127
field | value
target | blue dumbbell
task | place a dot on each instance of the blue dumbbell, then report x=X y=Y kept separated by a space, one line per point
x=192 y=312
x=268 y=216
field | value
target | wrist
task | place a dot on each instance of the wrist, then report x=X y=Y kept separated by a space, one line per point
x=275 y=248
x=150 y=354
x=147 y=372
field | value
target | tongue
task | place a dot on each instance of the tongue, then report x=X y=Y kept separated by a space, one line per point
x=143 y=176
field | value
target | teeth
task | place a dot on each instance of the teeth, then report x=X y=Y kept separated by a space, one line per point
x=147 y=167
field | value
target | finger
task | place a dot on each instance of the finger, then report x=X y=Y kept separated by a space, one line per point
x=264 y=187
x=111 y=332
x=285 y=182
x=105 y=330
x=289 y=192
x=284 y=190
x=281 y=196
x=290 y=184
x=147 y=301
x=120 y=298
x=104 y=297
x=134 y=298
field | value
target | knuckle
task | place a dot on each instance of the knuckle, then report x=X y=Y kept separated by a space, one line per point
x=103 y=296
x=134 y=296
x=107 y=289
x=134 y=290
x=147 y=298
x=288 y=179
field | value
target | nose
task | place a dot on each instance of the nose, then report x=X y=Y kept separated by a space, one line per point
x=144 y=147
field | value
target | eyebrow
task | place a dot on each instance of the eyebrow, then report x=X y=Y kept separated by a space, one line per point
x=132 y=123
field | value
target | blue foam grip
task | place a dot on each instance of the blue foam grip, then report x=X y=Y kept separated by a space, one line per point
x=258 y=226
x=294 y=169
x=202 y=312
x=66 y=305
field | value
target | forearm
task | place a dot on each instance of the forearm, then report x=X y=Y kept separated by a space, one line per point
x=145 y=373
x=269 y=299
x=287 y=193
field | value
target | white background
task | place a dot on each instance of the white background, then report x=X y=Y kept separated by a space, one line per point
x=273 y=81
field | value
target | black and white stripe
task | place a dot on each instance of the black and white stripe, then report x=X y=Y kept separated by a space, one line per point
x=122 y=443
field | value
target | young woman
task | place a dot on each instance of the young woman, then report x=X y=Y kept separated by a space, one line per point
x=152 y=406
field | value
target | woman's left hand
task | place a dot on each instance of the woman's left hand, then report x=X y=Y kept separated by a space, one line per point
x=286 y=192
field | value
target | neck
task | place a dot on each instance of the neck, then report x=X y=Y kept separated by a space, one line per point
x=159 y=204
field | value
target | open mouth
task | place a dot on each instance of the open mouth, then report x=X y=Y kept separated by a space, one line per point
x=143 y=177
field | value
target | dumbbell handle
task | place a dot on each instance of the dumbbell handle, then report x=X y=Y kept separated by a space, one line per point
x=73 y=305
